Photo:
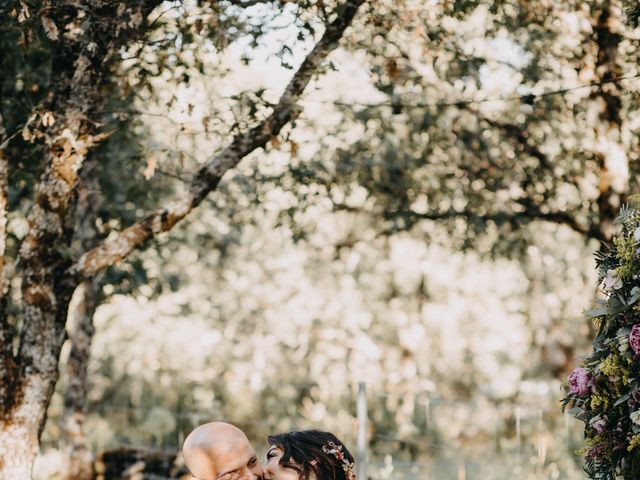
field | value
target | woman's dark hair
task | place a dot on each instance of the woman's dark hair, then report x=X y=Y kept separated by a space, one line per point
x=304 y=449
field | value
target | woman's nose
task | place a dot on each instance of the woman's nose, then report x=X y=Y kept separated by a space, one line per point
x=266 y=474
x=253 y=473
x=257 y=470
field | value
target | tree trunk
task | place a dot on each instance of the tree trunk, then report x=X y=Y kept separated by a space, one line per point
x=24 y=415
x=78 y=457
x=18 y=450
x=28 y=378
x=46 y=291
x=24 y=407
x=46 y=295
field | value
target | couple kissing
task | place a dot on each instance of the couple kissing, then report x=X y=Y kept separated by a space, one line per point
x=220 y=451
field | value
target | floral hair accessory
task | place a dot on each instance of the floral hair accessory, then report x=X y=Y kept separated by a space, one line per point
x=336 y=450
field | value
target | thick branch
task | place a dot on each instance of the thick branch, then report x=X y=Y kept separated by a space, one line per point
x=208 y=177
x=75 y=446
x=77 y=457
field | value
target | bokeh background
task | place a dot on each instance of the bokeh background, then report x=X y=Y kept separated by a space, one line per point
x=427 y=226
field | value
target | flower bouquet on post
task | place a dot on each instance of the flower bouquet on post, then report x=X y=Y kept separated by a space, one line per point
x=604 y=391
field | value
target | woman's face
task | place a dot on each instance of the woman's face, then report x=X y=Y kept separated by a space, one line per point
x=274 y=470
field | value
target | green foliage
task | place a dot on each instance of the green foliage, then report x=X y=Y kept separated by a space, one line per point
x=182 y=38
x=462 y=131
x=633 y=13
x=603 y=393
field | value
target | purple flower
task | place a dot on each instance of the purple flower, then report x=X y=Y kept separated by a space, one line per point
x=597 y=452
x=634 y=339
x=579 y=382
x=599 y=424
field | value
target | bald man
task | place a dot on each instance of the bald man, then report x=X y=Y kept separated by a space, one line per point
x=220 y=451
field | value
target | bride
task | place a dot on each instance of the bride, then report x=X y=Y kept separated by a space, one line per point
x=308 y=455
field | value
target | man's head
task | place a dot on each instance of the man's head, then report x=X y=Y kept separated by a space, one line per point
x=219 y=451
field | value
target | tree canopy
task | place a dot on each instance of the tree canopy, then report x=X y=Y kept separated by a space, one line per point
x=286 y=181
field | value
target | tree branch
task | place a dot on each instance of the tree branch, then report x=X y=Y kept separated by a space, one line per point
x=77 y=457
x=534 y=212
x=529 y=213
x=516 y=133
x=206 y=179
x=75 y=446
x=250 y=3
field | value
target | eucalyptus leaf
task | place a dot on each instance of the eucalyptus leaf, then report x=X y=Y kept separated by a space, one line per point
x=597 y=312
x=575 y=411
x=622 y=399
x=635 y=295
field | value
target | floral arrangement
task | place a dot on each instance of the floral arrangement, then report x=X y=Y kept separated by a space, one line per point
x=336 y=450
x=604 y=392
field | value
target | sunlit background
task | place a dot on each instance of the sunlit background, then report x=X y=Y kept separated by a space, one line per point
x=316 y=266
